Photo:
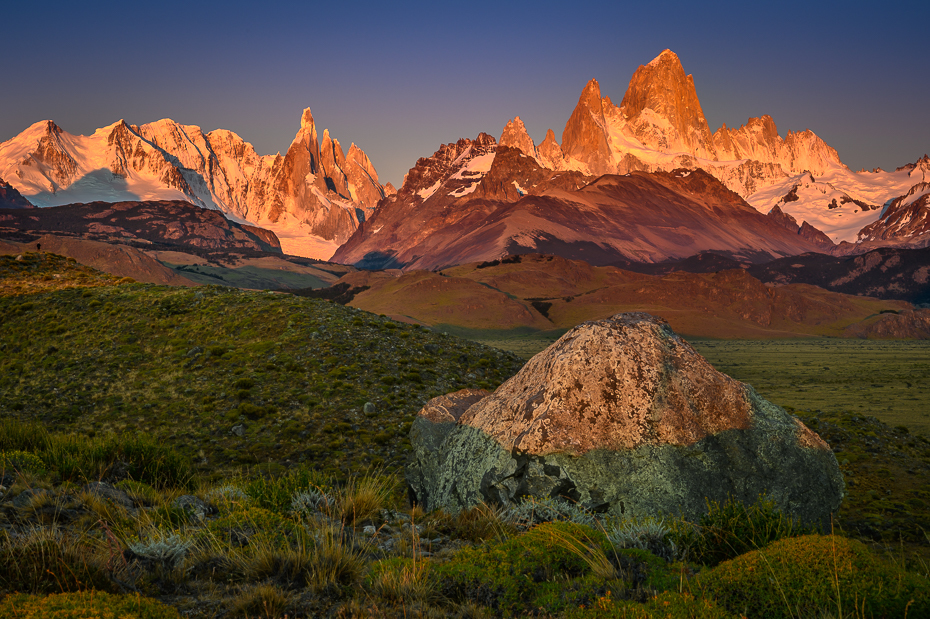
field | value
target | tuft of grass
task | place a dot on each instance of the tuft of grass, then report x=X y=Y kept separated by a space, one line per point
x=731 y=528
x=49 y=560
x=261 y=600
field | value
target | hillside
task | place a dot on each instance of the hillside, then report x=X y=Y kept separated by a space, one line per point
x=229 y=377
x=538 y=293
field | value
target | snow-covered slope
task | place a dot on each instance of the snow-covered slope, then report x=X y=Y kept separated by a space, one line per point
x=313 y=197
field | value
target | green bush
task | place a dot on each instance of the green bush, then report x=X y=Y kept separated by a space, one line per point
x=554 y=566
x=90 y=604
x=814 y=575
x=21 y=461
x=730 y=529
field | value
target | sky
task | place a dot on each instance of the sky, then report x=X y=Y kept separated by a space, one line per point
x=399 y=79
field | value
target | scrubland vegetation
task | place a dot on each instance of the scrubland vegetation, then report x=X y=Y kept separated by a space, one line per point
x=217 y=453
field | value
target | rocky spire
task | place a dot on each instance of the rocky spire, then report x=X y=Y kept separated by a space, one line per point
x=333 y=162
x=663 y=87
x=550 y=153
x=585 y=138
x=515 y=136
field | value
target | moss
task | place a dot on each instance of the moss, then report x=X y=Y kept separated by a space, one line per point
x=97 y=604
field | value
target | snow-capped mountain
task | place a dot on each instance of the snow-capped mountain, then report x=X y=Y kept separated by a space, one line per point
x=313 y=197
x=660 y=125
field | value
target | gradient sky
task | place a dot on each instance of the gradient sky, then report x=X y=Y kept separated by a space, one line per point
x=401 y=78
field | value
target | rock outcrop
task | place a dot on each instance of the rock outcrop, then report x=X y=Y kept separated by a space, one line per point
x=622 y=415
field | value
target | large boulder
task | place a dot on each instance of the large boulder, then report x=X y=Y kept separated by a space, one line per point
x=621 y=415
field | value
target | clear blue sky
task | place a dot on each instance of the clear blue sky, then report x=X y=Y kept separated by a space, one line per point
x=400 y=78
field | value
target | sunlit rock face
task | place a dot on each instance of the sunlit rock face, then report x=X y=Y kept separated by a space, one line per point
x=622 y=415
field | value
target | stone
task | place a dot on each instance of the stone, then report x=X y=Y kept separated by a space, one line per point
x=369 y=408
x=237 y=430
x=622 y=416
x=107 y=492
x=196 y=509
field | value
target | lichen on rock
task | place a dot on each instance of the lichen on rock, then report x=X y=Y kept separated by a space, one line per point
x=621 y=415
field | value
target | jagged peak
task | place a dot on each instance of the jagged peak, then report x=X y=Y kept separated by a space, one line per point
x=591 y=92
x=306 y=119
x=666 y=56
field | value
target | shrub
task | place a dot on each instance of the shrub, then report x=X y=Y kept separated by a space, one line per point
x=509 y=576
x=730 y=529
x=814 y=575
x=97 y=604
x=21 y=461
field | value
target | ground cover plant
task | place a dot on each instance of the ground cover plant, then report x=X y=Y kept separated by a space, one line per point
x=134 y=482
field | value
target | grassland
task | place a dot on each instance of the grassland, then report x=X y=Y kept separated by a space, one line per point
x=277 y=411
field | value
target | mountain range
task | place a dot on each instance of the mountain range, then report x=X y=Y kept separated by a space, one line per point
x=313 y=197
x=643 y=181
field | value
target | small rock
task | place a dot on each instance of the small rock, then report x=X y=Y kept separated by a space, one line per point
x=26 y=496
x=107 y=492
x=369 y=530
x=369 y=408
x=196 y=509
x=238 y=430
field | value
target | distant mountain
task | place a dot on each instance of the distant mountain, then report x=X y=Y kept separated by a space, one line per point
x=10 y=198
x=660 y=126
x=477 y=201
x=175 y=225
x=313 y=197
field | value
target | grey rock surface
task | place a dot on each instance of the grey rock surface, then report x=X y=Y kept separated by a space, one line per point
x=623 y=416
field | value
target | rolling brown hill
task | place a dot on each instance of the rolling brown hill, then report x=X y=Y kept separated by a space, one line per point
x=536 y=292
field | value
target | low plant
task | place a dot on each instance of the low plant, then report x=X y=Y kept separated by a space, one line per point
x=263 y=600
x=168 y=547
x=815 y=575
x=532 y=511
x=403 y=580
x=652 y=534
x=335 y=561
x=276 y=493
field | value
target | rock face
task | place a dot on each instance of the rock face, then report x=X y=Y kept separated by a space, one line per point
x=622 y=415
x=515 y=136
x=313 y=196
